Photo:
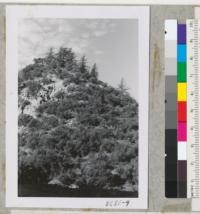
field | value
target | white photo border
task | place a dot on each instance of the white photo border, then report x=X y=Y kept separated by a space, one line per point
x=13 y=14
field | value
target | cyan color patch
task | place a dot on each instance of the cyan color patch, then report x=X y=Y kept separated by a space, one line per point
x=181 y=53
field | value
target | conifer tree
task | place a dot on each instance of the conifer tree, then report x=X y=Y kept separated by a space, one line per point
x=94 y=71
x=122 y=86
x=83 y=64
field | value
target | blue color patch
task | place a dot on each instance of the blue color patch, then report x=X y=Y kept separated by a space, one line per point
x=181 y=53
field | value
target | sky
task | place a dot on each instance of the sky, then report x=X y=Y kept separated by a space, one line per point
x=110 y=43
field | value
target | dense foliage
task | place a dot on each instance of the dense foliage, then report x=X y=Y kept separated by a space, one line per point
x=74 y=129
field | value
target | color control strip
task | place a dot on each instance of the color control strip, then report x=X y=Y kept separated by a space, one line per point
x=182 y=112
x=171 y=155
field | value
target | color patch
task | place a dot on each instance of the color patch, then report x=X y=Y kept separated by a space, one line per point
x=182 y=168
x=181 y=34
x=182 y=91
x=182 y=75
x=181 y=53
x=171 y=120
x=182 y=111
x=182 y=179
x=171 y=29
x=170 y=50
x=182 y=131
x=170 y=66
x=182 y=150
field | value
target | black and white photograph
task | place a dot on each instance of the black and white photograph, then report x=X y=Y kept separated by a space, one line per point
x=77 y=106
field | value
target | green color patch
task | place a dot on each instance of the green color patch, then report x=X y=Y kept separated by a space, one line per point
x=182 y=74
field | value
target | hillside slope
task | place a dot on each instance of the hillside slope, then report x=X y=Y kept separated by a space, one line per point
x=75 y=130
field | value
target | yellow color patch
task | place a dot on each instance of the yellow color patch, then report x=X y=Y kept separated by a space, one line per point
x=182 y=91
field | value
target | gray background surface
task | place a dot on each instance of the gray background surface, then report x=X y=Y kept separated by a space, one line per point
x=157 y=200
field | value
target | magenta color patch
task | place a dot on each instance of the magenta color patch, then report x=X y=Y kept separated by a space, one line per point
x=182 y=131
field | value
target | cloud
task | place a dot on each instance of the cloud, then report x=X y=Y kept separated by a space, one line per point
x=98 y=52
x=38 y=35
x=86 y=35
x=99 y=33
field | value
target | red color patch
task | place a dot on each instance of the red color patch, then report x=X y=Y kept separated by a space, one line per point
x=182 y=111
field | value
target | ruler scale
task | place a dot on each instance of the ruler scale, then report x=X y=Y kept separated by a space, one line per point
x=193 y=111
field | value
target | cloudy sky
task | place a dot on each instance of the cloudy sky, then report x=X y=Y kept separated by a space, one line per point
x=110 y=43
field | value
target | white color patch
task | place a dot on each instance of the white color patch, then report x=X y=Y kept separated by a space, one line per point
x=171 y=29
x=182 y=150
